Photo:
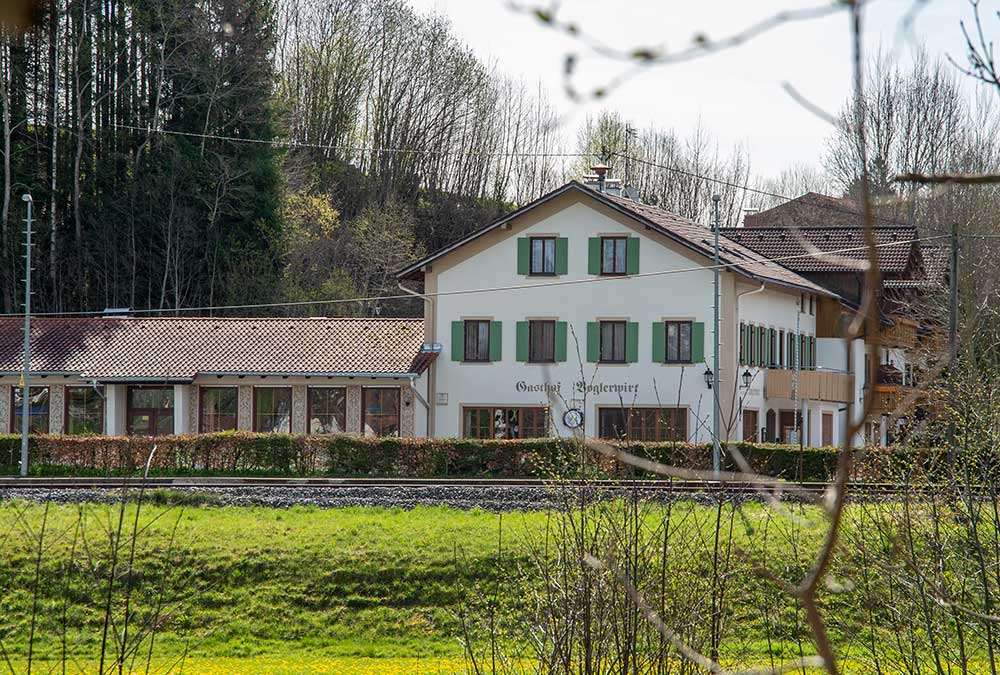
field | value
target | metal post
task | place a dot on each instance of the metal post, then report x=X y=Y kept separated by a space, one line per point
x=795 y=375
x=952 y=334
x=716 y=447
x=26 y=384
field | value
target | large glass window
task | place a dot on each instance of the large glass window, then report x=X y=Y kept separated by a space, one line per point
x=218 y=409
x=151 y=411
x=272 y=410
x=526 y=422
x=541 y=341
x=327 y=410
x=38 y=409
x=678 y=341
x=84 y=410
x=613 y=254
x=643 y=424
x=380 y=411
x=477 y=340
x=543 y=256
x=613 y=342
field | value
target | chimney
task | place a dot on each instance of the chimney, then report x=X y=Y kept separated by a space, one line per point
x=597 y=180
x=748 y=217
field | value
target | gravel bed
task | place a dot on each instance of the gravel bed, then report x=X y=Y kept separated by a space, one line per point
x=513 y=498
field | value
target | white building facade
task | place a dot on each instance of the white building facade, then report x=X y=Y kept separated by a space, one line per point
x=593 y=314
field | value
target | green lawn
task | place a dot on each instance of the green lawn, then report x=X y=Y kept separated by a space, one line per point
x=367 y=590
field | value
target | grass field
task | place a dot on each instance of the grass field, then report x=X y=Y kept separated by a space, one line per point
x=256 y=591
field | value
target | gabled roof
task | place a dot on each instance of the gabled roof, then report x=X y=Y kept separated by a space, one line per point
x=933 y=271
x=788 y=244
x=687 y=233
x=817 y=210
x=178 y=349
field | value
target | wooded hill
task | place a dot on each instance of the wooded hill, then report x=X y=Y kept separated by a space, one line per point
x=194 y=153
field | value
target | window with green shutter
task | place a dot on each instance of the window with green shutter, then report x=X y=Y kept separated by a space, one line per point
x=561 y=336
x=496 y=334
x=594 y=255
x=562 y=256
x=523 y=255
x=521 y=341
x=594 y=337
x=632 y=256
x=697 y=342
x=659 y=332
x=632 y=342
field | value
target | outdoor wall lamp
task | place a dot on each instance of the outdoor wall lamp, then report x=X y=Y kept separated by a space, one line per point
x=747 y=376
x=708 y=377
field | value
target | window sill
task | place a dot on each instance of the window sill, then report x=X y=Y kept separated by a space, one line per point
x=615 y=363
x=542 y=275
x=541 y=363
x=676 y=363
x=476 y=363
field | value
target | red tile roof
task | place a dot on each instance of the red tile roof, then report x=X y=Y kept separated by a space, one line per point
x=686 y=232
x=181 y=348
x=786 y=243
x=818 y=210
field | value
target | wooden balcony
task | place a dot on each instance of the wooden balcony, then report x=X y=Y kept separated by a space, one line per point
x=887 y=397
x=902 y=334
x=814 y=385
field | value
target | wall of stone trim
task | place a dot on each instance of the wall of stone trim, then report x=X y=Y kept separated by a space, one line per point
x=57 y=408
x=354 y=408
x=299 y=409
x=407 y=412
x=194 y=406
x=4 y=409
x=244 y=413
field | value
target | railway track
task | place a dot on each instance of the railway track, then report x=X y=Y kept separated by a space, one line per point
x=866 y=489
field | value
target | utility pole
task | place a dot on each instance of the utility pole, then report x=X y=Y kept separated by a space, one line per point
x=716 y=447
x=795 y=374
x=26 y=383
x=952 y=334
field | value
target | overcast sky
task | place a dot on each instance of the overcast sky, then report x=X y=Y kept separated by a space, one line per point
x=737 y=95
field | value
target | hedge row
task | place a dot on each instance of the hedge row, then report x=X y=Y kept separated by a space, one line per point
x=241 y=453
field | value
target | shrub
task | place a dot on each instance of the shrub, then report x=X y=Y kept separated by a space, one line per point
x=242 y=453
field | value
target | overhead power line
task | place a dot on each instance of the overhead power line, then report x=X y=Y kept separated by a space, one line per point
x=288 y=143
x=498 y=289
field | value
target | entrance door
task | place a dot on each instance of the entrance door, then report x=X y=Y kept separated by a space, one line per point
x=750 y=426
x=827 y=428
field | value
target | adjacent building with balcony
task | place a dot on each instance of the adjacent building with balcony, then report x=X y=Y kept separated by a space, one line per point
x=793 y=232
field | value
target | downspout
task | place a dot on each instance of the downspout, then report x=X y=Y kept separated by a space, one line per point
x=430 y=319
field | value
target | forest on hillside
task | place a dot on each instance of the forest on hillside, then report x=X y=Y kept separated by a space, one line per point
x=196 y=153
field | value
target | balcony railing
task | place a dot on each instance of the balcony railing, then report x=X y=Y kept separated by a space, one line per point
x=902 y=333
x=814 y=385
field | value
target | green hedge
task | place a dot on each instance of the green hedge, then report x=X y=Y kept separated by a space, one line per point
x=240 y=453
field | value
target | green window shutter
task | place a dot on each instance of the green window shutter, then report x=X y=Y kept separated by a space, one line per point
x=457 y=340
x=697 y=342
x=560 y=341
x=562 y=255
x=759 y=343
x=594 y=255
x=812 y=350
x=659 y=342
x=631 y=342
x=524 y=255
x=593 y=341
x=772 y=344
x=743 y=332
x=522 y=340
x=632 y=256
x=766 y=347
x=496 y=341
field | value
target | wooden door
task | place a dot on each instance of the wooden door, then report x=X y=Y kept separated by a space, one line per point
x=827 y=428
x=751 y=426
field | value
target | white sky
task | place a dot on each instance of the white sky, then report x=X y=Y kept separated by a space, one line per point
x=737 y=94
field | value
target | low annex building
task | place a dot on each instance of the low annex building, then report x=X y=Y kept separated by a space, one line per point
x=154 y=376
